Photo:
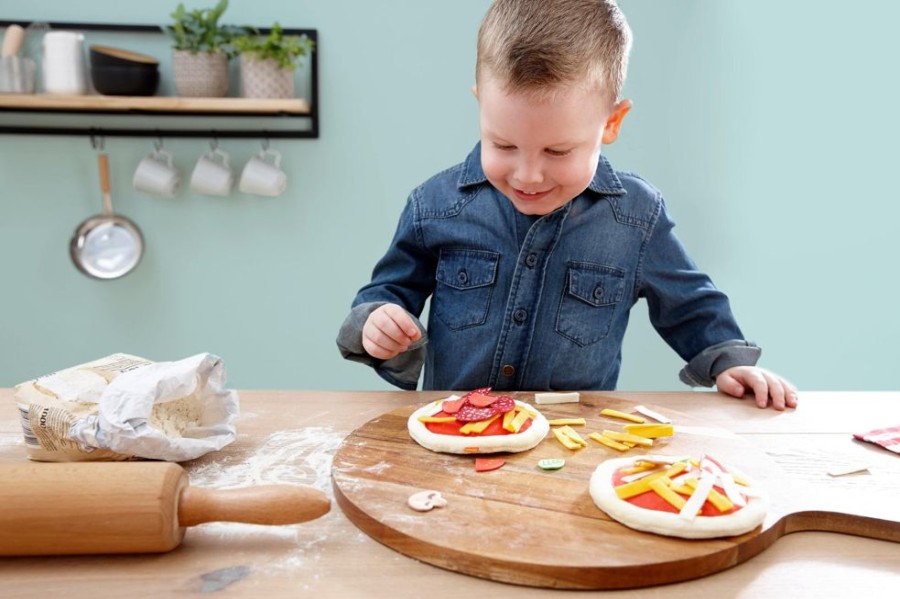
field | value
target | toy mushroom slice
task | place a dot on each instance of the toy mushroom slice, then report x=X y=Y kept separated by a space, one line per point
x=425 y=501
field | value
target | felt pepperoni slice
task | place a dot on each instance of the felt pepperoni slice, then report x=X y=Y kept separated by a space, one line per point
x=503 y=404
x=452 y=406
x=486 y=464
x=471 y=414
x=481 y=400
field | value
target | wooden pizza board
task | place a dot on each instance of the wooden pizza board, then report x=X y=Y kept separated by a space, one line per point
x=527 y=526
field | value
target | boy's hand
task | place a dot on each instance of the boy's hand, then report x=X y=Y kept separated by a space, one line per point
x=766 y=386
x=389 y=331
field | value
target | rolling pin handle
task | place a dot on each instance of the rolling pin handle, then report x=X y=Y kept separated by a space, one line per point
x=269 y=504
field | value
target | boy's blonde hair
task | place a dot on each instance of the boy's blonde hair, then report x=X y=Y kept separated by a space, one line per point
x=537 y=46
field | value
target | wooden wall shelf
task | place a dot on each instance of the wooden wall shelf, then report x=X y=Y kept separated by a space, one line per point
x=154 y=104
x=103 y=115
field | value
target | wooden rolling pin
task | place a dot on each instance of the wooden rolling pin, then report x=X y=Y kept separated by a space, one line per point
x=128 y=507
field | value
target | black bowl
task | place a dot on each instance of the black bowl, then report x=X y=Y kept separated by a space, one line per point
x=106 y=56
x=125 y=81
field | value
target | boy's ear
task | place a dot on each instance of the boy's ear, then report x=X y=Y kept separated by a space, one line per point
x=614 y=121
x=475 y=90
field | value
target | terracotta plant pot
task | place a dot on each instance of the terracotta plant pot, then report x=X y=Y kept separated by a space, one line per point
x=265 y=79
x=200 y=75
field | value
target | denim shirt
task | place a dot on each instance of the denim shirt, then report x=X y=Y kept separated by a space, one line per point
x=540 y=303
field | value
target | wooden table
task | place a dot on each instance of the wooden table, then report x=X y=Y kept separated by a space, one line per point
x=290 y=437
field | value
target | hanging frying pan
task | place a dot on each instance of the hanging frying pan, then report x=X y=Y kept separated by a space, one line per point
x=106 y=246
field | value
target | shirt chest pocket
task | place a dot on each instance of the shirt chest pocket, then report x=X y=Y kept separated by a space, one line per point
x=465 y=283
x=589 y=300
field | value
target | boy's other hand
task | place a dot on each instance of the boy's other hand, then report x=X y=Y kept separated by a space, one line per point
x=389 y=331
x=767 y=387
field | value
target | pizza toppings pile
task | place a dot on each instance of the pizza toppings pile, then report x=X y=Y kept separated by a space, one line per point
x=692 y=498
x=477 y=423
x=688 y=487
x=639 y=433
x=478 y=413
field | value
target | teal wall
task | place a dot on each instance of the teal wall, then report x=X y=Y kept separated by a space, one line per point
x=770 y=127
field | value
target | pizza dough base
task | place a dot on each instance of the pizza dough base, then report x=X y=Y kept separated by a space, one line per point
x=511 y=443
x=668 y=523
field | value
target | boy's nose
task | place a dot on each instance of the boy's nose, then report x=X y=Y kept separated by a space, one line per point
x=529 y=172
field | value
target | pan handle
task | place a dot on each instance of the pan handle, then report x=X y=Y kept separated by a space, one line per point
x=103 y=161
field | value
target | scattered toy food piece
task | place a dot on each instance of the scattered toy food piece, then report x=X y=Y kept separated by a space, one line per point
x=569 y=421
x=425 y=501
x=621 y=415
x=651 y=414
x=553 y=398
x=551 y=463
x=486 y=464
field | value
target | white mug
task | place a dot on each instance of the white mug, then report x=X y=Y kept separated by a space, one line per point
x=156 y=174
x=63 y=65
x=262 y=178
x=213 y=177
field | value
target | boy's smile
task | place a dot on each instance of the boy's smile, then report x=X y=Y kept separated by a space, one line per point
x=542 y=151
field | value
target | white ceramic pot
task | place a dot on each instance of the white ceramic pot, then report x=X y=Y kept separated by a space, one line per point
x=265 y=79
x=200 y=75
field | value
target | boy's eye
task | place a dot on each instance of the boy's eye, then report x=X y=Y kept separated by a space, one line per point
x=558 y=152
x=504 y=148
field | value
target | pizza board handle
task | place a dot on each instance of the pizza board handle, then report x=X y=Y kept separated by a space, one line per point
x=871 y=515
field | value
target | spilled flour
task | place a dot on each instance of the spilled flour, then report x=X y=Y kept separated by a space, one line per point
x=300 y=457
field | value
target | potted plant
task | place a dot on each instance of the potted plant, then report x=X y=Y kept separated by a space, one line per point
x=268 y=63
x=202 y=48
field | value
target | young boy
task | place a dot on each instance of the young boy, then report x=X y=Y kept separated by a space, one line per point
x=533 y=250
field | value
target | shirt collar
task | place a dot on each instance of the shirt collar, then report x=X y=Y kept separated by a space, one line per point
x=605 y=181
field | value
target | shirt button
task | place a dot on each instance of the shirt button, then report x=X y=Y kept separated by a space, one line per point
x=520 y=315
x=462 y=277
x=598 y=292
x=530 y=260
x=508 y=370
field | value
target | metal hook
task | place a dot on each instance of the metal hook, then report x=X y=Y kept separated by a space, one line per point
x=214 y=144
x=158 y=144
x=97 y=141
x=265 y=144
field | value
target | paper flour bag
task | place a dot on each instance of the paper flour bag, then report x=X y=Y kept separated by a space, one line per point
x=122 y=407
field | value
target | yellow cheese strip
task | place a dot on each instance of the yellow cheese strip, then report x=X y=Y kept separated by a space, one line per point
x=570 y=433
x=639 y=466
x=652 y=431
x=437 y=418
x=628 y=438
x=608 y=442
x=676 y=469
x=565 y=440
x=662 y=489
x=622 y=415
x=568 y=421
x=740 y=480
x=639 y=486
x=507 y=420
x=477 y=426
x=683 y=489
x=519 y=419
x=722 y=503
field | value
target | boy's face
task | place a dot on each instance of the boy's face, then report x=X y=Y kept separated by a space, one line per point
x=541 y=153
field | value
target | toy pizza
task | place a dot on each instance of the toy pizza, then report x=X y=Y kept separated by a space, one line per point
x=477 y=422
x=678 y=497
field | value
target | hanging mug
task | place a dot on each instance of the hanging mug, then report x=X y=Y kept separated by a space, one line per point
x=157 y=174
x=263 y=177
x=212 y=174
